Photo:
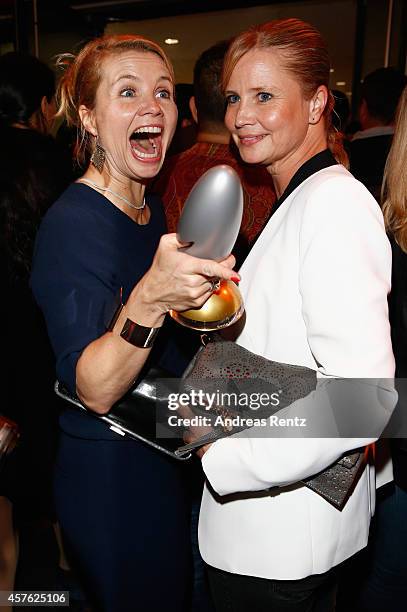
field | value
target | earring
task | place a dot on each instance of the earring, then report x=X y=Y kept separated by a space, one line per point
x=98 y=156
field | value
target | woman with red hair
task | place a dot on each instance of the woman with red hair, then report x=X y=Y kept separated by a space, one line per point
x=315 y=287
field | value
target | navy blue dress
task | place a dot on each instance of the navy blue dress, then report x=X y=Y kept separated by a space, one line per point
x=122 y=506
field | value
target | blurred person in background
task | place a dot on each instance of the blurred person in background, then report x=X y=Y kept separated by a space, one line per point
x=369 y=147
x=185 y=132
x=213 y=147
x=383 y=584
x=33 y=172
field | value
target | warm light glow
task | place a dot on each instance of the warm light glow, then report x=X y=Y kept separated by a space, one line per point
x=171 y=41
x=341 y=83
x=332 y=70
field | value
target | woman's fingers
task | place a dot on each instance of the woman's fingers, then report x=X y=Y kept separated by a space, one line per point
x=201 y=451
x=172 y=241
x=223 y=270
x=190 y=437
x=206 y=267
x=229 y=261
x=180 y=281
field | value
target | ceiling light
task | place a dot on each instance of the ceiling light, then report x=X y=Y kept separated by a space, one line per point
x=341 y=83
x=171 y=41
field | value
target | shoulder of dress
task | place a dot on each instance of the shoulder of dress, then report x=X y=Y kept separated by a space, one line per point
x=69 y=210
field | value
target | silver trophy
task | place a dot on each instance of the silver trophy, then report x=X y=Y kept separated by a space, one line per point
x=210 y=222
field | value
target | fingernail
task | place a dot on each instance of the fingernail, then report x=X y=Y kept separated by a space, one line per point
x=235 y=279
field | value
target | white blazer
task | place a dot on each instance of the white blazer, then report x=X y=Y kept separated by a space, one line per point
x=315 y=287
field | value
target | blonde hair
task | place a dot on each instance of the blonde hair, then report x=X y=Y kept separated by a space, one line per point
x=80 y=81
x=305 y=56
x=394 y=189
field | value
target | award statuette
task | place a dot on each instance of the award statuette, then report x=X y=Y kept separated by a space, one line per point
x=210 y=222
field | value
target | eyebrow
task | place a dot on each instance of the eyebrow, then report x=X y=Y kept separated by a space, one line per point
x=261 y=88
x=252 y=89
x=133 y=77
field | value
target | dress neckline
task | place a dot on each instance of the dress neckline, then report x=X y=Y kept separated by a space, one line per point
x=118 y=210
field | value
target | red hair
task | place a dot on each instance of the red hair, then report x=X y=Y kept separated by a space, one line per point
x=305 y=57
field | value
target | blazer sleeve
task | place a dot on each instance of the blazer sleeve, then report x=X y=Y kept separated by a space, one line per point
x=344 y=279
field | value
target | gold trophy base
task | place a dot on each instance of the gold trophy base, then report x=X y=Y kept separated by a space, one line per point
x=223 y=308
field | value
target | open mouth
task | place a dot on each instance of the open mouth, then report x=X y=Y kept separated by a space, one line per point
x=145 y=143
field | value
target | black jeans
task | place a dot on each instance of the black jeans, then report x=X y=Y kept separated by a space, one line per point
x=237 y=593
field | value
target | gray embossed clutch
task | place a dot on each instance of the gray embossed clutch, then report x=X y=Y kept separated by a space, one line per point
x=223 y=369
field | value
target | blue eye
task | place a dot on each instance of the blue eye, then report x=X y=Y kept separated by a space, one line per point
x=264 y=96
x=232 y=99
x=129 y=92
x=164 y=93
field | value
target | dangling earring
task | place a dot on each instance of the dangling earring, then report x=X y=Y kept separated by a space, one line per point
x=98 y=156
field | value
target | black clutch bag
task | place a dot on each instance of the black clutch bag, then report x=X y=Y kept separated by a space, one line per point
x=137 y=413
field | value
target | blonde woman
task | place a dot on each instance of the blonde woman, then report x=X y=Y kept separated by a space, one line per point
x=386 y=585
x=121 y=505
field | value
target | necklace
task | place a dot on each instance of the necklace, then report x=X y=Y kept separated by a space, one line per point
x=125 y=200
